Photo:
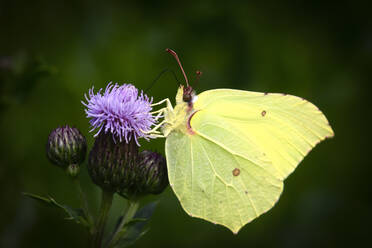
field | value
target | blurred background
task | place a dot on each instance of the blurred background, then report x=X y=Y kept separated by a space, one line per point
x=52 y=52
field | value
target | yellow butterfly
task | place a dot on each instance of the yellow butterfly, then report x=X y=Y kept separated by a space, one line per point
x=229 y=151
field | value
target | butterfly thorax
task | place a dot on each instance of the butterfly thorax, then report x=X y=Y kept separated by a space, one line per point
x=178 y=119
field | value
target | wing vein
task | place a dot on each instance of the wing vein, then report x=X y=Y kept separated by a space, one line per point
x=211 y=165
x=233 y=153
x=192 y=176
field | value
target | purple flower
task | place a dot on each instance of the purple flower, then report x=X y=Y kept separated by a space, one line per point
x=120 y=110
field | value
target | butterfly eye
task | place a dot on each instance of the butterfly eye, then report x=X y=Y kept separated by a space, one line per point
x=187 y=98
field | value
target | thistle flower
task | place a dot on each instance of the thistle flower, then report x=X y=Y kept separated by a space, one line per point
x=120 y=110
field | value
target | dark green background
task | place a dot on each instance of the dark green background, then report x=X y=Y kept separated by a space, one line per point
x=52 y=52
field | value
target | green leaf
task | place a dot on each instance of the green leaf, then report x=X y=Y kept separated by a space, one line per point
x=135 y=220
x=147 y=211
x=129 y=238
x=75 y=214
x=134 y=229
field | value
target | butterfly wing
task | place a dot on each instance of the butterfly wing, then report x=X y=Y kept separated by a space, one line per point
x=231 y=169
x=278 y=128
x=215 y=184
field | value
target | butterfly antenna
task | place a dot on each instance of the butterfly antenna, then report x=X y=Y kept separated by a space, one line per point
x=198 y=75
x=174 y=54
x=158 y=77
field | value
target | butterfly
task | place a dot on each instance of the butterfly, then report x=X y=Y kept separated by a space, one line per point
x=228 y=151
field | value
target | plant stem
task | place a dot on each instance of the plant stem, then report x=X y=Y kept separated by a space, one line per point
x=83 y=203
x=102 y=218
x=128 y=214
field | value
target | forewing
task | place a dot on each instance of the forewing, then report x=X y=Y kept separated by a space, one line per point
x=216 y=184
x=275 y=131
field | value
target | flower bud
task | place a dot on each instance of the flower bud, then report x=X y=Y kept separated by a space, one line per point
x=149 y=176
x=66 y=148
x=152 y=176
x=110 y=162
x=118 y=167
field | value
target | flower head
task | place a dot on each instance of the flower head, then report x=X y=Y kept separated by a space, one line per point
x=121 y=110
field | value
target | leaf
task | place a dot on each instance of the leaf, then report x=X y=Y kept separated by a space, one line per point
x=135 y=221
x=76 y=214
x=130 y=238
x=133 y=230
x=146 y=212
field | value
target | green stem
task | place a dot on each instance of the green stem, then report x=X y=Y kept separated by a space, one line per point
x=128 y=214
x=83 y=203
x=102 y=218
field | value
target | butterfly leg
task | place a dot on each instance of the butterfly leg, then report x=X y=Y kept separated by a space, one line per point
x=154 y=130
x=162 y=112
x=160 y=115
x=158 y=111
x=157 y=136
x=166 y=100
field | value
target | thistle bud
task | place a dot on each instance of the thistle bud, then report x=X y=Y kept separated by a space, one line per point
x=110 y=162
x=118 y=167
x=66 y=148
x=152 y=176
x=149 y=176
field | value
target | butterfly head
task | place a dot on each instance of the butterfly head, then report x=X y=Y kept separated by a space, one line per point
x=188 y=94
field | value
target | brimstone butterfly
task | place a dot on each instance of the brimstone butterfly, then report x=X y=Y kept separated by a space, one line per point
x=229 y=151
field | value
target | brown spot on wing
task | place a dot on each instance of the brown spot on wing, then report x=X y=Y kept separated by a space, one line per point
x=263 y=113
x=236 y=172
